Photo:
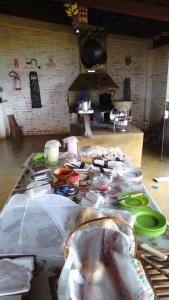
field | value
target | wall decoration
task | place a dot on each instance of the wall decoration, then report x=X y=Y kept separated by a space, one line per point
x=78 y=14
x=128 y=60
x=50 y=63
x=17 y=81
x=35 y=91
x=33 y=60
x=16 y=63
x=127 y=89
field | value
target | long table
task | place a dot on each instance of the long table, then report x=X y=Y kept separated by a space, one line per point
x=27 y=228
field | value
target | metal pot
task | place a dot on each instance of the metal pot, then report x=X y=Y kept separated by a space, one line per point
x=92 y=53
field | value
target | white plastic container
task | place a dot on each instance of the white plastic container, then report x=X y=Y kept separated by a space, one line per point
x=51 y=152
x=71 y=142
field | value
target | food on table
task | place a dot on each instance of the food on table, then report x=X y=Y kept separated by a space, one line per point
x=38 y=157
x=87 y=160
x=85 y=178
x=105 y=269
x=86 y=214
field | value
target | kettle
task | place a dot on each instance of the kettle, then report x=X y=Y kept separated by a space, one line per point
x=86 y=105
x=51 y=152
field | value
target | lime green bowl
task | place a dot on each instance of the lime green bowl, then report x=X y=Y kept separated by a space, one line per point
x=149 y=234
x=149 y=219
x=135 y=201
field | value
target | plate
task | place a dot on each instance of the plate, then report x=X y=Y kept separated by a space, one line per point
x=149 y=220
x=134 y=201
x=65 y=191
x=131 y=174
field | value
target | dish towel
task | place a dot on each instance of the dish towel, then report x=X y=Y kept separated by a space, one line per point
x=15 y=275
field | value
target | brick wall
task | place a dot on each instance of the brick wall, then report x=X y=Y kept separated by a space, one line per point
x=118 y=50
x=3 y=122
x=159 y=84
x=24 y=43
x=26 y=39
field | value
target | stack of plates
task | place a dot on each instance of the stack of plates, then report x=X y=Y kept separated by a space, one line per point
x=149 y=222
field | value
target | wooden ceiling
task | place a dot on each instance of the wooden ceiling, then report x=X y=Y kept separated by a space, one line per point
x=140 y=18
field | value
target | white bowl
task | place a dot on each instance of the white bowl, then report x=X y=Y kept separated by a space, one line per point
x=131 y=174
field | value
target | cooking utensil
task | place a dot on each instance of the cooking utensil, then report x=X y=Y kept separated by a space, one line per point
x=27 y=189
x=155 y=265
x=163 y=263
x=92 y=53
x=154 y=251
x=125 y=196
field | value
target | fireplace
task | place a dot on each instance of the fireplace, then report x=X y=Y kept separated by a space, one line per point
x=91 y=94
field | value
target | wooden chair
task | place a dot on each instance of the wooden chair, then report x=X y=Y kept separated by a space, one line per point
x=15 y=129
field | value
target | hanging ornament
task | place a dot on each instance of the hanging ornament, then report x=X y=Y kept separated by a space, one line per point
x=78 y=14
x=71 y=8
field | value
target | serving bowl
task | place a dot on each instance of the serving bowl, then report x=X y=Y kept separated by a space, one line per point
x=66 y=175
x=131 y=174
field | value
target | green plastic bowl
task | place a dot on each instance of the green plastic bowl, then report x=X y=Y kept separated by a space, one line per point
x=148 y=219
x=150 y=234
x=134 y=202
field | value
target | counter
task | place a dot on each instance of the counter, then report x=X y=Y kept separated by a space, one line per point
x=131 y=142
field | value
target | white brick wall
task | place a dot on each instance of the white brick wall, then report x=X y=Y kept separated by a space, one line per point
x=117 y=50
x=24 y=44
x=3 y=121
x=159 y=84
x=17 y=41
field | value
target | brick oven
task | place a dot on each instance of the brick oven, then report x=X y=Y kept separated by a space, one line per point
x=93 y=86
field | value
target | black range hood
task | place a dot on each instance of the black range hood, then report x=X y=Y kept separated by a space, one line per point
x=93 y=81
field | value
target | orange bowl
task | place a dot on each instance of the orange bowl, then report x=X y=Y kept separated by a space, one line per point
x=62 y=174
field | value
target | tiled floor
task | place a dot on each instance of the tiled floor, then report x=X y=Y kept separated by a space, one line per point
x=153 y=167
x=14 y=154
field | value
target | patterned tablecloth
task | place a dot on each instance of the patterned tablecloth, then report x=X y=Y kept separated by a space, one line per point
x=28 y=226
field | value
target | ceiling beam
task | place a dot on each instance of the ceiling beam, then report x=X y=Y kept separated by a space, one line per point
x=129 y=7
x=50 y=12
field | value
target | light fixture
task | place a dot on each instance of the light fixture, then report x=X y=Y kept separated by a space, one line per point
x=77 y=29
x=78 y=14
